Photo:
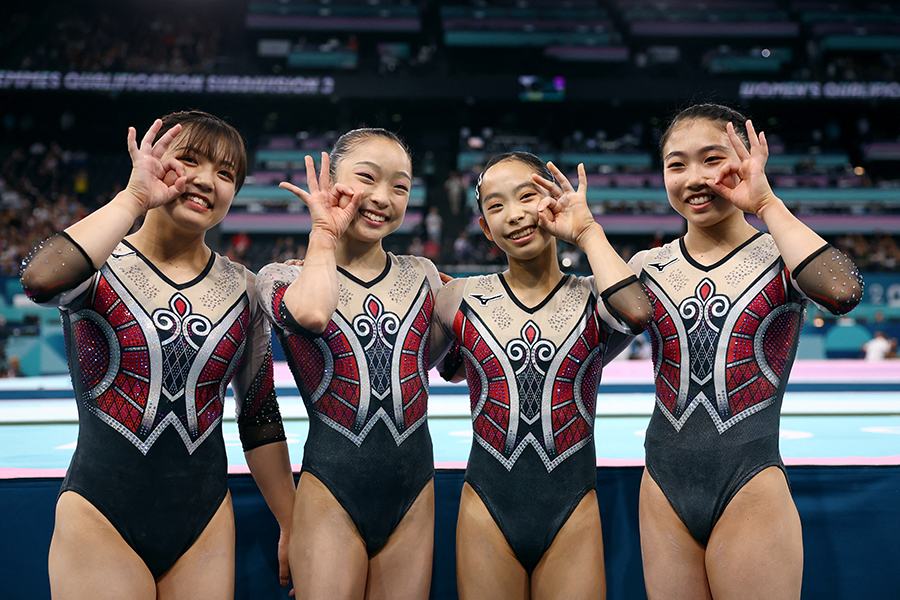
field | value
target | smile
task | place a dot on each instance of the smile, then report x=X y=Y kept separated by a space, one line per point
x=378 y=218
x=697 y=200
x=198 y=200
x=520 y=233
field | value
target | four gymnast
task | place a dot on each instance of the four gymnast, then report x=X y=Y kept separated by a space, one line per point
x=156 y=326
x=354 y=322
x=716 y=515
x=532 y=340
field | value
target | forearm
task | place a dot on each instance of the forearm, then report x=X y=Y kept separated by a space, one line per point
x=606 y=264
x=312 y=298
x=271 y=468
x=99 y=233
x=794 y=239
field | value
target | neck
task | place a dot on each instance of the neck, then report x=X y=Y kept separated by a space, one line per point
x=356 y=256
x=167 y=245
x=533 y=279
x=723 y=237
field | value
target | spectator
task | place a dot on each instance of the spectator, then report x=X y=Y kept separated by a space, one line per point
x=880 y=347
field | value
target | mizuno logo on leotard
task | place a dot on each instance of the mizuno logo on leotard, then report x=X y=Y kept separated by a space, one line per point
x=659 y=266
x=484 y=301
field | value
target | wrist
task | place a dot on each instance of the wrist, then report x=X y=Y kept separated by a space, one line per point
x=324 y=239
x=591 y=235
x=130 y=203
x=771 y=209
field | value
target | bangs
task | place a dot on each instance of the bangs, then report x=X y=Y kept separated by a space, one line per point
x=219 y=144
x=209 y=136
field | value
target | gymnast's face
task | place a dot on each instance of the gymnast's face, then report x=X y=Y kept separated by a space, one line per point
x=509 y=199
x=380 y=171
x=693 y=154
x=209 y=189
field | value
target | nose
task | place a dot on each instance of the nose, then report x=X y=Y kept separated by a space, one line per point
x=379 y=195
x=696 y=176
x=202 y=176
x=516 y=213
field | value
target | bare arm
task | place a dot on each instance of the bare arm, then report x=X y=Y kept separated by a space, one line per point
x=825 y=274
x=312 y=298
x=271 y=469
x=565 y=214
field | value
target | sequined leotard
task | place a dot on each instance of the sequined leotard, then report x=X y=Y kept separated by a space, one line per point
x=364 y=381
x=724 y=338
x=150 y=361
x=533 y=375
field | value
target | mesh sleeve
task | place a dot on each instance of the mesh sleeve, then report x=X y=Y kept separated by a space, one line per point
x=258 y=415
x=830 y=279
x=628 y=303
x=56 y=266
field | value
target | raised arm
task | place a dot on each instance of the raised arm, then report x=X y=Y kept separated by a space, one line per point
x=312 y=298
x=565 y=214
x=822 y=272
x=67 y=259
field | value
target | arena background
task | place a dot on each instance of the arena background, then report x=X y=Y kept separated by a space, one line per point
x=574 y=81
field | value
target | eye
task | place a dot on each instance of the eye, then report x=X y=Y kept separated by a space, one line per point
x=227 y=174
x=675 y=165
x=527 y=197
x=366 y=176
x=401 y=188
x=187 y=158
x=713 y=159
x=494 y=205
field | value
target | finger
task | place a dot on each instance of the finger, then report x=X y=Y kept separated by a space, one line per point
x=561 y=179
x=173 y=164
x=132 y=143
x=751 y=133
x=548 y=205
x=445 y=279
x=546 y=222
x=582 y=178
x=725 y=172
x=739 y=148
x=763 y=144
x=147 y=141
x=548 y=185
x=177 y=188
x=324 y=172
x=167 y=138
x=284 y=573
x=310 y=175
x=353 y=203
x=299 y=192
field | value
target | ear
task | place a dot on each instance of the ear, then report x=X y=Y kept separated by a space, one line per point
x=485 y=228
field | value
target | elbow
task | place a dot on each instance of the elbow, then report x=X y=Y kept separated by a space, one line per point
x=308 y=318
x=843 y=299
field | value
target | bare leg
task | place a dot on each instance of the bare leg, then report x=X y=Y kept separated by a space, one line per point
x=572 y=568
x=206 y=570
x=756 y=548
x=89 y=559
x=327 y=555
x=674 y=562
x=485 y=564
x=402 y=569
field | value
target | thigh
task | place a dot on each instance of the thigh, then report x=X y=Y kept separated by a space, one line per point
x=756 y=548
x=572 y=568
x=90 y=560
x=206 y=570
x=327 y=555
x=486 y=566
x=674 y=562
x=402 y=569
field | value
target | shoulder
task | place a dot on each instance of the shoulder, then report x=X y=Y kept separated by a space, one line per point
x=278 y=272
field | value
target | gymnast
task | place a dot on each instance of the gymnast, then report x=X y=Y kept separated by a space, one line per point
x=532 y=340
x=156 y=326
x=716 y=515
x=354 y=322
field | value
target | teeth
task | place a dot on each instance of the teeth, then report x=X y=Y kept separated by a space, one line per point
x=699 y=200
x=374 y=217
x=197 y=200
x=520 y=234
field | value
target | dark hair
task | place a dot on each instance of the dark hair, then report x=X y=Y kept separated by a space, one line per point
x=527 y=158
x=351 y=140
x=715 y=113
x=211 y=137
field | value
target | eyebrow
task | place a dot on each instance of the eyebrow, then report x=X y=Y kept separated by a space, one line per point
x=519 y=187
x=369 y=163
x=703 y=150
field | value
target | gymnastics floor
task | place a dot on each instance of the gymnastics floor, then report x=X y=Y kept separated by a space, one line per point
x=840 y=438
